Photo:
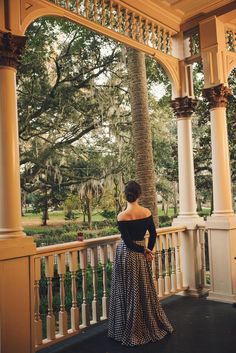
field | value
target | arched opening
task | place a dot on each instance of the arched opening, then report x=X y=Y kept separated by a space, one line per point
x=75 y=123
x=54 y=71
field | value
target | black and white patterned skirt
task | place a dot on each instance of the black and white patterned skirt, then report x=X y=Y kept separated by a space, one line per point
x=135 y=314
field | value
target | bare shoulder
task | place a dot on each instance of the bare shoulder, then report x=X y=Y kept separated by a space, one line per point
x=122 y=216
x=146 y=212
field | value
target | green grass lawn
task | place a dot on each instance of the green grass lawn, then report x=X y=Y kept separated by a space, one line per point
x=61 y=230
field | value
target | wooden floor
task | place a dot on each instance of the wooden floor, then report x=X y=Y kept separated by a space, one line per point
x=201 y=326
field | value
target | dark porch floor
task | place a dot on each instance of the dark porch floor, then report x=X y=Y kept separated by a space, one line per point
x=202 y=326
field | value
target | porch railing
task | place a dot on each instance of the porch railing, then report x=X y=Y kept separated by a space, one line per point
x=122 y=19
x=72 y=282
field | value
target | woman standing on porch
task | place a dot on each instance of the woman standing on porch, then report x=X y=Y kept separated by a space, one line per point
x=135 y=315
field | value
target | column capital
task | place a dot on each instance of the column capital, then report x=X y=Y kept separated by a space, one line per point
x=11 y=48
x=217 y=96
x=183 y=106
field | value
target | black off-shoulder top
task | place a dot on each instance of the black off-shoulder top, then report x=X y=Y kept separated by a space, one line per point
x=135 y=229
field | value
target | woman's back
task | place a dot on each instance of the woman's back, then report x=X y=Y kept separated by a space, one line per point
x=134 y=213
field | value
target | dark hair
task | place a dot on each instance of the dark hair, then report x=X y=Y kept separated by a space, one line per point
x=132 y=191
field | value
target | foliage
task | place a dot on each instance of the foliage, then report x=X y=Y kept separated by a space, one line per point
x=109 y=214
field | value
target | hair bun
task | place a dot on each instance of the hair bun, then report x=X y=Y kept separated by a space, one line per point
x=132 y=191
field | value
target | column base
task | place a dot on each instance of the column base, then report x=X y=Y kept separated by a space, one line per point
x=190 y=252
x=222 y=253
x=197 y=293
x=16 y=292
x=222 y=297
x=190 y=221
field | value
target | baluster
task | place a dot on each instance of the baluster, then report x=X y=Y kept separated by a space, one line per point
x=173 y=263
x=104 y=281
x=154 y=268
x=170 y=43
x=37 y=318
x=203 y=258
x=94 y=264
x=227 y=39
x=179 y=276
x=103 y=12
x=112 y=251
x=126 y=22
x=140 y=25
x=95 y=10
x=77 y=6
x=159 y=37
x=49 y=272
x=111 y=14
x=67 y=4
x=164 y=49
x=153 y=35
x=86 y=10
x=62 y=312
x=167 y=276
x=146 y=25
x=119 y=15
x=160 y=267
x=74 y=311
x=133 y=26
x=83 y=266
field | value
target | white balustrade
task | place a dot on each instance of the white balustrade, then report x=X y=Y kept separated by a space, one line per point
x=71 y=261
x=77 y=265
x=167 y=254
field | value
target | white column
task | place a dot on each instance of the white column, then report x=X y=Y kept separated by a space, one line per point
x=222 y=224
x=222 y=200
x=187 y=198
x=16 y=264
x=190 y=248
x=10 y=203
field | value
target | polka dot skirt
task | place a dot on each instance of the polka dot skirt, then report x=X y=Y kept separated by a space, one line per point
x=135 y=314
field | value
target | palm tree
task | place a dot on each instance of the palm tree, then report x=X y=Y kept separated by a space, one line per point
x=90 y=190
x=141 y=129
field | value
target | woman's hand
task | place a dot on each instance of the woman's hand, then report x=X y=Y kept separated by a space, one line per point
x=148 y=254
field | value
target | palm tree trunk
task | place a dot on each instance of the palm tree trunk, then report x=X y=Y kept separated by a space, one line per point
x=89 y=212
x=142 y=138
x=45 y=209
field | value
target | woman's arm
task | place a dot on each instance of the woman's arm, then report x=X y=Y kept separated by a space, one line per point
x=152 y=232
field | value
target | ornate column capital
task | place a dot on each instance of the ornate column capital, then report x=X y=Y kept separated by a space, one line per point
x=217 y=96
x=183 y=106
x=11 y=48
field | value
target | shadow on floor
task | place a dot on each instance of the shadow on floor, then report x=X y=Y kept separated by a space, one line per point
x=201 y=326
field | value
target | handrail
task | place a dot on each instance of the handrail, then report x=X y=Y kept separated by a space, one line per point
x=171 y=229
x=73 y=245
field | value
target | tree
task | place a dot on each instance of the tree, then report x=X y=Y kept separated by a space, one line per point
x=90 y=191
x=141 y=129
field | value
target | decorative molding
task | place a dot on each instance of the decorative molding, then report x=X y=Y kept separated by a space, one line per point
x=11 y=48
x=183 y=106
x=217 y=96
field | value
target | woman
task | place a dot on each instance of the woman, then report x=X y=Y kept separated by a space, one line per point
x=135 y=315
